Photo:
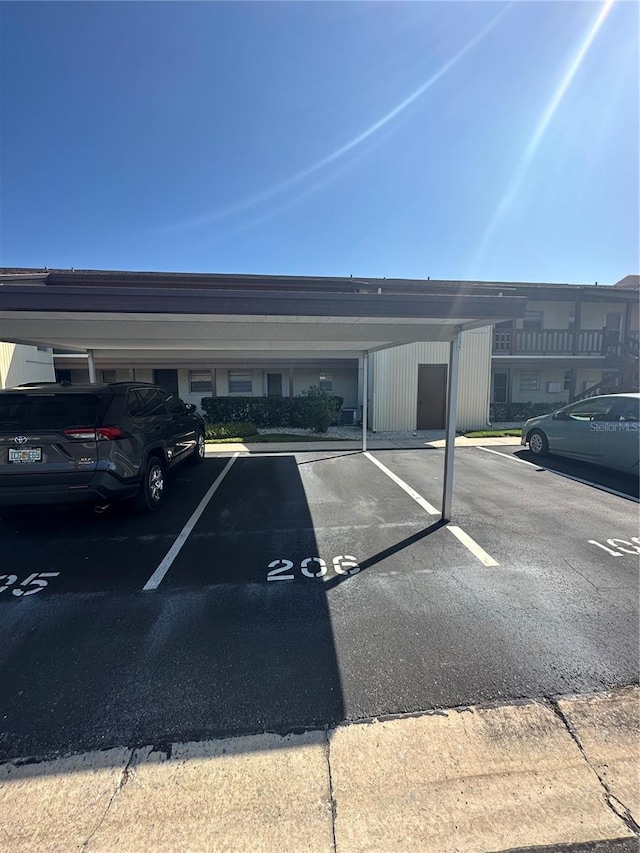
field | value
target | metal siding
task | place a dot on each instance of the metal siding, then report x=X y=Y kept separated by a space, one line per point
x=20 y=363
x=396 y=381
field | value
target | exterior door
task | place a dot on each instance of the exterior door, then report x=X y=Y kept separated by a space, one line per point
x=612 y=328
x=432 y=396
x=274 y=384
x=167 y=379
x=500 y=389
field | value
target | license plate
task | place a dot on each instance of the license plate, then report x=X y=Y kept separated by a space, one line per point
x=25 y=454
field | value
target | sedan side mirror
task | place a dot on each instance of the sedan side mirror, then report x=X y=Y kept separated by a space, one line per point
x=190 y=407
x=560 y=416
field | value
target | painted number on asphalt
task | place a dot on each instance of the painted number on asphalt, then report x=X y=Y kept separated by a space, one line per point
x=29 y=586
x=623 y=546
x=312 y=567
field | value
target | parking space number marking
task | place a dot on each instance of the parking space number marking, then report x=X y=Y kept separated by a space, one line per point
x=276 y=570
x=308 y=572
x=35 y=583
x=624 y=546
x=312 y=567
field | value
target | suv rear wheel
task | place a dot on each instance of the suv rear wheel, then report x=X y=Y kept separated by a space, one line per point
x=152 y=490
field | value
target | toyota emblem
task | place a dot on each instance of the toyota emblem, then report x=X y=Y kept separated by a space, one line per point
x=20 y=439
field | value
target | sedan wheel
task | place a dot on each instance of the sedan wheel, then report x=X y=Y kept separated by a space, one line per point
x=538 y=443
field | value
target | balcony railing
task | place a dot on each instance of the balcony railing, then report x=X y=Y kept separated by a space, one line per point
x=547 y=342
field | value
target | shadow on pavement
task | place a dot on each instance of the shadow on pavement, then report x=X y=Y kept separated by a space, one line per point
x=235 y=655
x=628 y=484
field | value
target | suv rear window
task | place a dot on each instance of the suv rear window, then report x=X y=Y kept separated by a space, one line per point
x=47 y=411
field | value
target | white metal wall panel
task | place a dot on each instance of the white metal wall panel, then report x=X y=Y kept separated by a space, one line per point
x=395 y=383
x=20 y=363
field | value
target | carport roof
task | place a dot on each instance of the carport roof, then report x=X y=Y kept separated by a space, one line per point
x=158 y=314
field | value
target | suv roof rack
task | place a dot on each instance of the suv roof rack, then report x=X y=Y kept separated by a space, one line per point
x=63 y=382
x=131 y=382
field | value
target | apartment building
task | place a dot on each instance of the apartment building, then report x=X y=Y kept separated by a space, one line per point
x=569 y=340
x=573 y=341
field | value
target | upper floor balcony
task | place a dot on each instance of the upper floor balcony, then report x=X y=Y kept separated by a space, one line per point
x=586 y=342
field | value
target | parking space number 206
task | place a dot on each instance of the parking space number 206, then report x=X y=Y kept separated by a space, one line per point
x=311 y=567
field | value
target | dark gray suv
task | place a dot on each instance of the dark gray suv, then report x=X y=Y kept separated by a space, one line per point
x=93 y=444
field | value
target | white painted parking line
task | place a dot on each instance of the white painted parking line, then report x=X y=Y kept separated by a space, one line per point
x=472 y=545
x=426 y=506
x=460 y=535
x=562 y=474
x=156 y=578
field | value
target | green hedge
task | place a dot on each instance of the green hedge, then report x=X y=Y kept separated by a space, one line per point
x=505 y=412
x=313 y=410
x=234 y=429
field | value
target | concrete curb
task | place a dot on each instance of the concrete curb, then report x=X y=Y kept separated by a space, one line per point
x=468 y=780
x=355 y=446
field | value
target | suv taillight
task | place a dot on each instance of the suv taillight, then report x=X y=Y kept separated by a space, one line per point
x=94 y=433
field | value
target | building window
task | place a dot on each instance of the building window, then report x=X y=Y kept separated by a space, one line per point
x=532 y=321
x=528 y=380
x=200 y=382
x=554 y=387
x=240 y=382
x=42 y=349
x=109 y=376
x=567 y=380
x=326 y=382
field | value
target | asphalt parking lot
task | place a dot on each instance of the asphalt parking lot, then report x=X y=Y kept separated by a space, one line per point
x=290 y=591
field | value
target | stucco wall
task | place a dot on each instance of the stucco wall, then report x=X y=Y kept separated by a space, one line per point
x=545 y=374
x=345 y=383
x=555 y=315
x=588 y=375
x=395 y=381
x=594 y=313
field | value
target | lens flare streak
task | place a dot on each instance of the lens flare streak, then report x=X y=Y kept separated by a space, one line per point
x=518 y=178
x=349 y=146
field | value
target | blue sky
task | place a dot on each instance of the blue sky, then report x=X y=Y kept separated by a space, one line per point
x=485 y=140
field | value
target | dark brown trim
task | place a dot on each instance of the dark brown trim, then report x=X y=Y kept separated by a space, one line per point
x=538 y=362
x=546 y=291
x=251 y=303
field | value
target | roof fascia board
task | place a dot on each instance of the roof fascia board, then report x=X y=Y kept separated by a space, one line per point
x=140 y=300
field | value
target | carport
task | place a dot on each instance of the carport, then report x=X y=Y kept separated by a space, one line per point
x=176 y=319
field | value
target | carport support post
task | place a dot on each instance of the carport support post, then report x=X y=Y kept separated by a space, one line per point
x=365 y=397
x=450 y=437
x=92 y=367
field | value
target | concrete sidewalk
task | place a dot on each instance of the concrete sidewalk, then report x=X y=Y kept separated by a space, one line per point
x=355 y=446
x=469 y=779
